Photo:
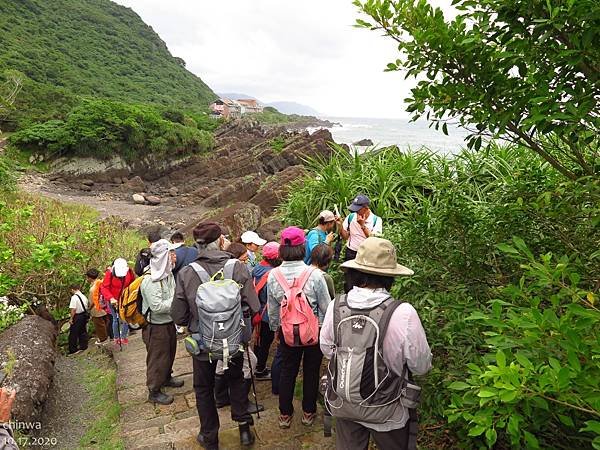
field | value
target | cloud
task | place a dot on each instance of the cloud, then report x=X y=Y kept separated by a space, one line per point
x=305 y=51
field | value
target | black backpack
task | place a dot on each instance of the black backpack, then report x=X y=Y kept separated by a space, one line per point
x=142 y=261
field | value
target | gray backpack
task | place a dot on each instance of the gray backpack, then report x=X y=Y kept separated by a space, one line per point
x=360 y=386
x=219 y=312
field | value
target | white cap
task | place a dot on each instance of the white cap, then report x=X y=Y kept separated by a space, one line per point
x=250 y=237
x=120 y=267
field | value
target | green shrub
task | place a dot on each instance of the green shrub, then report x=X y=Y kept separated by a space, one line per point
x=102 y=128
x=450 y=219
x=45 y=245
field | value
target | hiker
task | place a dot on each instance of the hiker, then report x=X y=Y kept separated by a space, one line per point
x=262 y=331
x=361 y=408
x=79 y=307
x=321 y=257
x=159 y=334
x=185 y=312
x=185 y=255
x=358 y=226
x=321 y=234
x=298 y=343
x=253 y=242
x=98 y=312
x=142 y=260
x=7 y=399
x=238 y=251
x=116 y=279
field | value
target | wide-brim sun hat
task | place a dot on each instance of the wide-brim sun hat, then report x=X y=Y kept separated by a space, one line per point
x=377 y=256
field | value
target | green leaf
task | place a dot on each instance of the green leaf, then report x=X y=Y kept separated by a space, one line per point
x=531 y=440
x=566 y=420
x=459 y=386
x=524 y=361
x=574 y=361
x=508 y=396
x=593 y=426
x=476 y=431
x=507 y=249
x=491 y=436
x=485 y=392
x=501 y=359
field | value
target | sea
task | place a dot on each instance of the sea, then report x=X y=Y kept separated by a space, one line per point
x=401 y=132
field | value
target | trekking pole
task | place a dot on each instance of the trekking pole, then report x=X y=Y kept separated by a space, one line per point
x=252 y=380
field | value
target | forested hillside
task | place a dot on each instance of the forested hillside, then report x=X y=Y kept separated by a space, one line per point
x=67 y=49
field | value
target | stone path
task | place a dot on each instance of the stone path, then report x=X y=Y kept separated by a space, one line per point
x=145 y=426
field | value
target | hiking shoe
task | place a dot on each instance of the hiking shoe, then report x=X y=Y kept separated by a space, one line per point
x=124 y=341
x=117 y=341
x=174 y=382
x=252 y=409
x=262 y=375
x=208 y=446
x=308 y=418
x=285 y=421
x=160 y=397
x=76 y=353
x=246 y=435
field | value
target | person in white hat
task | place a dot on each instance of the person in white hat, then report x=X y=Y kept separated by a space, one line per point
x=368 y=318
x=253 y=242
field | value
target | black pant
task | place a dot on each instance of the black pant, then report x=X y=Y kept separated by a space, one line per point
x=352 y=435
x=109 y=326
x=348 y=279
x=161 y=346
x=291 y=357
x=78 y=336
x=204 y=384
x=264 y=344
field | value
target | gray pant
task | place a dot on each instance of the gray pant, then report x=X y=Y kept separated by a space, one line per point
x=353 y=436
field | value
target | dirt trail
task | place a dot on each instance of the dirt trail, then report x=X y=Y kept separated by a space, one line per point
x=108 y=203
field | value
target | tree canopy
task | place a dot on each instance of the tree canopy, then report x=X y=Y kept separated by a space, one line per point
x=527 y=71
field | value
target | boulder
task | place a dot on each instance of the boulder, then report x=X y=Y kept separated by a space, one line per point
x=85 y=187
x=138 y=199
x=235 y=219
x=117 y=180
x=153 y=200
x=364 y=143
x=270 y=229
x=173 y=191
x=27 y=354
x=136 y=184
x=275 y=188
x=87 y=182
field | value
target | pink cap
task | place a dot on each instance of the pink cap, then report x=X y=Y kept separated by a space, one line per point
x=292 y=236
x=271 y=250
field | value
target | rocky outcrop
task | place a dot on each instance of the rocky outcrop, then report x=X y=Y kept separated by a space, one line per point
x=364 y=143
x=27 y=354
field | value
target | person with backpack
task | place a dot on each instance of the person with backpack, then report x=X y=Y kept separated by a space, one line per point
x=374 y=344
x=185 y=255
x=262 y=331
x=116 y=279
x=79 y=308
x=358 y=226
x=321 y=234
x=159 y=335
x=208 y=300
x=297 y=299
x=98 y=312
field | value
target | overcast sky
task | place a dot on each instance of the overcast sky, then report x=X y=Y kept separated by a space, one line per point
x=304 y=51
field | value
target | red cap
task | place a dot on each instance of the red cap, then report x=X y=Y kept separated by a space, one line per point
x=271 y=250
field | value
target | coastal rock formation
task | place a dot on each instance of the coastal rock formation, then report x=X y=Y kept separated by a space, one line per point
x=27 y=354
x=364 y=143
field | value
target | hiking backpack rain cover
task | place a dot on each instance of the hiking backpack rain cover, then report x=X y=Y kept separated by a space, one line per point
x=360 y=386
x=220 y=317
x=299 y=325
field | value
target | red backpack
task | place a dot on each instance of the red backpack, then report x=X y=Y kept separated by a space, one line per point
x=299 y=324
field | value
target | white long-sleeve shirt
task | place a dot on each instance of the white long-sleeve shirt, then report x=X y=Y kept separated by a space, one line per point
x=404 y=343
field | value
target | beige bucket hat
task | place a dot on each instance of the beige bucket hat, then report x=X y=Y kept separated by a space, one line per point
x=378 y=256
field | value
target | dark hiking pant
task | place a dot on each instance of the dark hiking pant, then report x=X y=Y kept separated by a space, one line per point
x=161 y=346
x=276 y=371
x=110 y=326
x=101 y=325
x=349 y=282
x=291 y=357
x=352 y=435
x=78 y=336
x=264 y=345
x=204 y=385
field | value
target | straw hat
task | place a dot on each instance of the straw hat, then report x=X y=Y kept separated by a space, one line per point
x=377 y=256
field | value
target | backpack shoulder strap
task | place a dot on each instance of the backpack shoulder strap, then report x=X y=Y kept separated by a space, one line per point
x=229 y=268
x=201 y=272
x=281 y=279
x=374 y=220
x=350 y=219
x=305 y=276
x=339 y=303
x=262 y=282
x=81 y=302
x=389 y=306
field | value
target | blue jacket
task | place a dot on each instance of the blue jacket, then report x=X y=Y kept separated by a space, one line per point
x=185 y=256
x=314 y=237
x=258 y=272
